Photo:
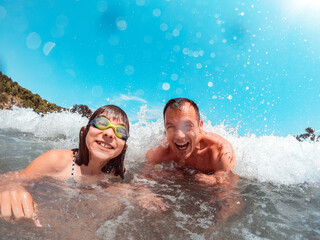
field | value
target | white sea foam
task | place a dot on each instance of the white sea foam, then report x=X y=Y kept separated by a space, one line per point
x=280 y=160
x=49 y=126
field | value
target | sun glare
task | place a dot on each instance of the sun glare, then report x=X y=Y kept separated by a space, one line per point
x=302 y=11
x=303 y=6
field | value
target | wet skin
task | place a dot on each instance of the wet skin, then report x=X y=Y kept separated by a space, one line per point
x=190 y=146
x=103 y=145
x=16 y=202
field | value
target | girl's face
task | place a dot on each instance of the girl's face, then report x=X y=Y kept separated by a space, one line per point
x=104 y=145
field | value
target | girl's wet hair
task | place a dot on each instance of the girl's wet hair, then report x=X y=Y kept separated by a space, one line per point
x=115 y=164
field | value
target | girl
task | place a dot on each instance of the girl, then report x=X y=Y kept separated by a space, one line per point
x=102 y=149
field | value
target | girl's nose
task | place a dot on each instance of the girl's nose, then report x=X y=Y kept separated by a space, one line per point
x=109 y=133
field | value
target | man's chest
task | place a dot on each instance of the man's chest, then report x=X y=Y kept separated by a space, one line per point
x=203 y=161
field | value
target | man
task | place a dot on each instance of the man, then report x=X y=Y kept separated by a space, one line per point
x=189 y=146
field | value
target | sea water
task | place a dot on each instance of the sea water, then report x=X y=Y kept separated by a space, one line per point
x=277 y=196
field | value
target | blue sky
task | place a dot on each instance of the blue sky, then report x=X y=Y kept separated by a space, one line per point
x=253 y=64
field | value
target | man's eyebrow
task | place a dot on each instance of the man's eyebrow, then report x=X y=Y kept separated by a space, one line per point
x=188 y=121
x=182 y=122
x=168 y=123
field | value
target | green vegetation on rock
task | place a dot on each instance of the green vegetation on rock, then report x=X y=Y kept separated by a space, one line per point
x=11 y=93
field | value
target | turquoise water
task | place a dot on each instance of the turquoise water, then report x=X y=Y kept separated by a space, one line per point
x=278 y=188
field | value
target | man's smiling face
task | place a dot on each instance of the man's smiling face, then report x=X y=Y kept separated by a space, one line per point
x=182 y=129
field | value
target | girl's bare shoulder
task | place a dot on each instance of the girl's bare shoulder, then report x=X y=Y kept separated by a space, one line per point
x=50 y=163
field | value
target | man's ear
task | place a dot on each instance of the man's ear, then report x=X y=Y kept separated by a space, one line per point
x=201 y=125
x=125 y=147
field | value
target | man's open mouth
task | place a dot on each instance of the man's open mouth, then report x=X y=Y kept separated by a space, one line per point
x=183 y=146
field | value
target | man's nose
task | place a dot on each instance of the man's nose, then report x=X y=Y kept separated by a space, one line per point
x=180 y=133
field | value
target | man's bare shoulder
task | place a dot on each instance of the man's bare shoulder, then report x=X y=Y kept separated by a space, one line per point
x=222 y=150
x=215 y=139
x=159 y=154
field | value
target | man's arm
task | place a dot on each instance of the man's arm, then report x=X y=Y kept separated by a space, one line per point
x=226 y=159
x=223 y=162
x=158 y=155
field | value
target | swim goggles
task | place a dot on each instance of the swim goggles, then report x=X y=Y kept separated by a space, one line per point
x=103 y=123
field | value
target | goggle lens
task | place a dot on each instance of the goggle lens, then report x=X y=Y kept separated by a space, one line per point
x=103 y=123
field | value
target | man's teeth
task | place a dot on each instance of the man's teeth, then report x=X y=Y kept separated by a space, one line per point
x=105 y=145
x=182 y=146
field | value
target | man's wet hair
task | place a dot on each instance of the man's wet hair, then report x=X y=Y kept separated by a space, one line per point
x=177 y=103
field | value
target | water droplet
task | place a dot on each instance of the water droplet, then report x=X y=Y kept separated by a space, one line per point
x=166 y=86
x=102 y=6
x=113 y=40
x=195 y=54
x=121 y=23
x=198 y=65
x=210 y=84
x=100 y=59
x=48 y=47
x=129 y=70
x=176 y=48
x=33 y=40
x=168 y=36
x=140 y=2
x=175 y=32
x=62 y=21
x=174 y=77
x=185 y=51
x=156 y=12
x=163 y=27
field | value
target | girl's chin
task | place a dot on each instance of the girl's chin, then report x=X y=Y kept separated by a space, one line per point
x=104 y=156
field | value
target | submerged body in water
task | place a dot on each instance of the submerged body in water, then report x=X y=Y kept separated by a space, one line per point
x=278 y=184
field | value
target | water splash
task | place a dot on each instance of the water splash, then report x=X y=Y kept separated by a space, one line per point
x=279 y=160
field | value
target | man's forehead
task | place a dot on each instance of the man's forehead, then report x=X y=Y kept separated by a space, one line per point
x=184 y=111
